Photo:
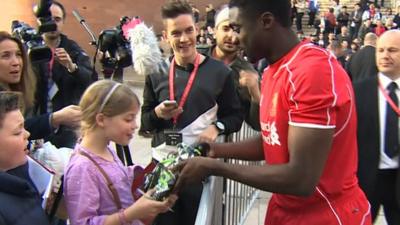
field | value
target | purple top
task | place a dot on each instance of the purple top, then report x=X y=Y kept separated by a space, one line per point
x=87 y=197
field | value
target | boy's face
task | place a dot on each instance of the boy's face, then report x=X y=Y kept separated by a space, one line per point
x=14 y=141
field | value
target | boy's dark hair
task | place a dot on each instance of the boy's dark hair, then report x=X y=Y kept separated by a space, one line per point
x=9 y=101
x=61 y=7
x=281 y=9
x=174 y=9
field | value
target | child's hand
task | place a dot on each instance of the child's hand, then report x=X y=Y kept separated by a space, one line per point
x=145 y=208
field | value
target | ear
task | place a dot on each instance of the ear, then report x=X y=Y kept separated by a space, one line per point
x=267 y=20
x=165 y=35
x=100 y=119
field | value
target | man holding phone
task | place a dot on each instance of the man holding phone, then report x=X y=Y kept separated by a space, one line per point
x=194 y=100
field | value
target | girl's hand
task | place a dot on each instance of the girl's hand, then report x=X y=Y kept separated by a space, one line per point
x=146 y=208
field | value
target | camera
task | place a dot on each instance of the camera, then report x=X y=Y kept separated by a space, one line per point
x=115 y=46
x=33 y=41
x=42 y=12
x=31 y=38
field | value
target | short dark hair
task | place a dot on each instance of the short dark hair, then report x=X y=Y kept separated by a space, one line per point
x=9 y=101
x=174 y=9
x=281 y=9
x=61 y=7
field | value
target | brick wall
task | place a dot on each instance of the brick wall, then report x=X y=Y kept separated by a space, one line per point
x=99 y=14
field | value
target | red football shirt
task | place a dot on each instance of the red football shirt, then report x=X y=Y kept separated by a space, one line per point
x=309 y=88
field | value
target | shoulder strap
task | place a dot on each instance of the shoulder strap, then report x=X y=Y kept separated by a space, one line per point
x=110 y=185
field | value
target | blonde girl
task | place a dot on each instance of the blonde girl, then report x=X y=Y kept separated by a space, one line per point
x=96 y=183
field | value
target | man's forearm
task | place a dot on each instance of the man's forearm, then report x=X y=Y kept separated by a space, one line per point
x=250 y=149
x=273 y=178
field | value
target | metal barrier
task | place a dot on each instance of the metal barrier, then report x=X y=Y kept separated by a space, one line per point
x=224 y=201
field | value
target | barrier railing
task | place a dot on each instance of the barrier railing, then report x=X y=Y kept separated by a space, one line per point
x=224 y=201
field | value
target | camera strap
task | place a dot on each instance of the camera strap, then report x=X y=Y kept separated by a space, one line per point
x=51 y=62
x=188 y=86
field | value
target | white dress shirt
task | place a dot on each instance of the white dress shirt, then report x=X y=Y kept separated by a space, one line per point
x=385 y=161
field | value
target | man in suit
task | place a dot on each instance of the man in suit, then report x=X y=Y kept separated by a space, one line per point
x=378 y=141
x=362 y=63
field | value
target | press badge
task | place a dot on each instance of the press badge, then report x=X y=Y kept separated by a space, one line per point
x=53 y=91
x=172 y=137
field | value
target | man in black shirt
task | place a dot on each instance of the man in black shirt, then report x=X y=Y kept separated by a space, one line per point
x=62 y=81
x=193 y=98
x=245 y=77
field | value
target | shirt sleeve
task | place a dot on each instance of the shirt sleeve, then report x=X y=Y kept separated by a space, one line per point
x=311 y=94
x=82 y=195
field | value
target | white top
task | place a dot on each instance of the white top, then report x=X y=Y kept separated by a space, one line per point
x=385 y=161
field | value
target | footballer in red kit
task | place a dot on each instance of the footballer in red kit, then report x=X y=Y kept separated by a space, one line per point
x=316 y=93
x=308 y=122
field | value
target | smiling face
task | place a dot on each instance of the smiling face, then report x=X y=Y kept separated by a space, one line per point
x=180 y=32
x=388 y=54
x=14 y=141
x=11 y=62
x=120 y=128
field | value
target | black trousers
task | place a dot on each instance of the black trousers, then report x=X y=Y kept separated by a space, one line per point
x=299 y=18
x=311 y=18
x=385 y=195
x=185 y=208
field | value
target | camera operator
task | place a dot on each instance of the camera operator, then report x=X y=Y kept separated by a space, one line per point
x=62 y=80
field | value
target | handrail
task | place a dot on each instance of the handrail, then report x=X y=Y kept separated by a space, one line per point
x=224 y=201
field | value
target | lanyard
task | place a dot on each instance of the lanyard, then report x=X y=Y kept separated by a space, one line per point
x=389 y=100
x=188 y=86
x=51 y=62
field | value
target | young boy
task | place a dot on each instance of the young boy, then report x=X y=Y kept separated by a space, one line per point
x=20 y=201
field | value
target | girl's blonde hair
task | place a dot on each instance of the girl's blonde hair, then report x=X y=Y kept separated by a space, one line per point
x=107 y=97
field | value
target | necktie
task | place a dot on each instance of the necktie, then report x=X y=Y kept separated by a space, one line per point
x=392 y=124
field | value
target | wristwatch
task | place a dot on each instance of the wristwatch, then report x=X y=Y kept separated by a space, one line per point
x=74 y=68
x=220 y=127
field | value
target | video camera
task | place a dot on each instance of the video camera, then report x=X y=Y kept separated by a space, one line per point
x=115 y=46
x=32 y=39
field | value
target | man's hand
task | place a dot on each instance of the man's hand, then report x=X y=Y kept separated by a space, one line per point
x=64 y=59
x=249 y=79
x=193 y=170
x=209 y=135
x=69 y=116
x=167 y=111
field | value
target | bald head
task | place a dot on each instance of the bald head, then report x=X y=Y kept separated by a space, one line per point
x=388 y=54
x=370 y=39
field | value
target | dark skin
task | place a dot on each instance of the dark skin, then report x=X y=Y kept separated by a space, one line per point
x=308 y=147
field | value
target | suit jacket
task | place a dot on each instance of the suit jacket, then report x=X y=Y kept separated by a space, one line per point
x=362 y=64
x=368 y=134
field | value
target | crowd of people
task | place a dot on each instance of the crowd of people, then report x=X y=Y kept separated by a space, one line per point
x=326 y=107
x=342 y=28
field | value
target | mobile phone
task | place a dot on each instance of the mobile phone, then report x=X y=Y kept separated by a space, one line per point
x=170 y=103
